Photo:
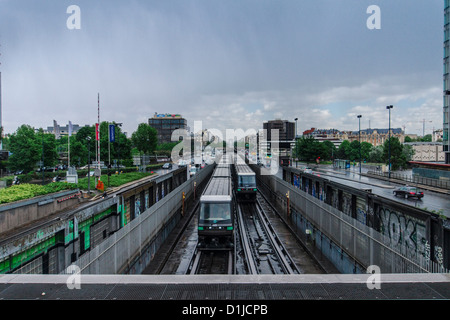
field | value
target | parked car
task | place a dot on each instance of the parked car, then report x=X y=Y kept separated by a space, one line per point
x=167 y=165
x=408 y=192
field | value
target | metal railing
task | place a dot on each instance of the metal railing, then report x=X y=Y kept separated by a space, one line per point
x=413 y=180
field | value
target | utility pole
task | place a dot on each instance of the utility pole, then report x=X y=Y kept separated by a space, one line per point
x=389 y=108
x=359 y=120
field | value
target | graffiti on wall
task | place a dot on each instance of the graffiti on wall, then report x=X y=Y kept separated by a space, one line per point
x=438 y=255
x=137 y=207
x=405 y=233
x=297 y=181
x=361 y=210
x=335 y=201
x=361 y=215
x=347 y=203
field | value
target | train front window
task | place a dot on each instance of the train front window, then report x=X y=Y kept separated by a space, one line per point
x=215 y=213
x=247 y=181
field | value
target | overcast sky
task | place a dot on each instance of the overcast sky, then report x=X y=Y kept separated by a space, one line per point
x=228 y=63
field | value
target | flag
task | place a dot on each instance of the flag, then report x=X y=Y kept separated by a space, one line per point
x=112 y=133
x=70 y=128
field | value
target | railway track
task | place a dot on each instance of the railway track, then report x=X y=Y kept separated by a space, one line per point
x=258 y=249
x=212 y=262
x=264 y=252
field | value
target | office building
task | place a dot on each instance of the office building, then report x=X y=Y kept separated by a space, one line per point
x=165 y=124
x=286 y=138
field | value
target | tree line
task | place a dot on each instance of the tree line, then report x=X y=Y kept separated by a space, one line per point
x=30 y=149
x=310 y=150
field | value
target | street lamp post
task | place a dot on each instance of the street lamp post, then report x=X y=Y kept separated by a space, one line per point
x=42 y=167
x=359 y=119
x=295 y=142
x=389 y=142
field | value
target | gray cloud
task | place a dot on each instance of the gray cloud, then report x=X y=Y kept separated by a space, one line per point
x=227 y=63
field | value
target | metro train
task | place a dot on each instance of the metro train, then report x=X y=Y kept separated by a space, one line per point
x=244 y=183
x=216 y=215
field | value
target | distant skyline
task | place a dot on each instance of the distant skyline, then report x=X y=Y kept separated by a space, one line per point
x=230 y=64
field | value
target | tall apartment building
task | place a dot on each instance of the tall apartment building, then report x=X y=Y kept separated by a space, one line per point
x=165 y=124
x=446 y=138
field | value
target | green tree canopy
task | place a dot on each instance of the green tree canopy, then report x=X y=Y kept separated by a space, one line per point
x=48 y=140
x=366 y=148
x=25 y=149
x=120 y=149
x=145 y=138
x=353 y=151
x=376 y=154
x=308 y=149
x=398 y=157
x=328 y=150
x=343 y=151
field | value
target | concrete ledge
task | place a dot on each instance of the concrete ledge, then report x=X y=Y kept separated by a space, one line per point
x=410 y=278
x=20 y=213
x=216 y=288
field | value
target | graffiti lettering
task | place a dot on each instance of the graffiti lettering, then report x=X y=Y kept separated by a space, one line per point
x=405 y=233
x=438 y=255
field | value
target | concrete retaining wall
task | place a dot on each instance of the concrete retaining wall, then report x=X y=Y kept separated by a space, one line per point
x=23 y=212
